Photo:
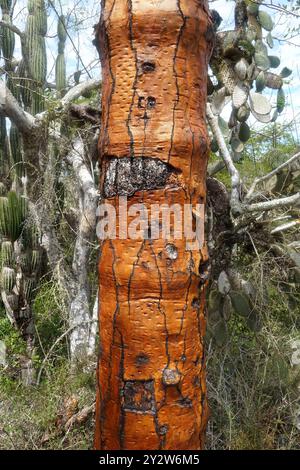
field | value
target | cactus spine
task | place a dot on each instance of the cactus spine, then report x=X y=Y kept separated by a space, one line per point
x=60 y=65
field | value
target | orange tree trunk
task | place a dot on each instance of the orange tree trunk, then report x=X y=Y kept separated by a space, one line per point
x=153 y=149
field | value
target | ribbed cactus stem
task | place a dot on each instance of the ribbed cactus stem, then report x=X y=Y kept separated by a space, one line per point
x=60 y=65
x=36 y=29
x=15 y=151
x=20 y=249
x=13 y=213
x=3 y=147
x=5 y=6
x=7 y=36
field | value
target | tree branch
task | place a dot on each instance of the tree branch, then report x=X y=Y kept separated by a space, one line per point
x=273 y=204
x=215 y=167
x=287 y=226
x=269 y=175
x=9 y=107
x=80 y=339
x=234 y=174
x=78 y=90
x=13 y=28
x=63 y=105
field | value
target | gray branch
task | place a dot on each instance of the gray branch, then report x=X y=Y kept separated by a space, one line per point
x=78 y=90
x=82 y=338
x=271 y=174
x=234 y=174
x=10 y=108
x=273 y=204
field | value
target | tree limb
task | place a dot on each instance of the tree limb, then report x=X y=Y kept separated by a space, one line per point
x=9 y=107
x=287 y=226
x=63 y=105
x=215 y=167
x=80 y=339
x=234 y=174
x=78 y=90
x=273 y=204
x=13 y=28
x=269 y=175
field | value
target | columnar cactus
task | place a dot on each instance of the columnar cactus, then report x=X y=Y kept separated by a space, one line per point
x=20 y=256
x=36 y=29
x=7 y=36
x=16 y=151
x=25 y=92
x=3 y=151
x=60 y=65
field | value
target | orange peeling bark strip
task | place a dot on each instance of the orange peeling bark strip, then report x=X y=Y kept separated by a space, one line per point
x=151 y=376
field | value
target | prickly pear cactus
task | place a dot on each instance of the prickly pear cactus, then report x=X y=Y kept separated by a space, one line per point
x=224 y=300
x=241 y=59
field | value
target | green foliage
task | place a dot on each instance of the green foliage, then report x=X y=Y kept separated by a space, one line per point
x=251 y=383
x=14 y=343
x=285 y=72
x=240 y=303
x=244 y=132
x=29 y=416
x=274 y=61
x=49 y=320
x=260 y=81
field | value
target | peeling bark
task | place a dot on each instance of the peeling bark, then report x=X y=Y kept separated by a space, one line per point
x=151 y=381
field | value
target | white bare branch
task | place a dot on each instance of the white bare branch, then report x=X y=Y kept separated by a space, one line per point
x=13 y=28
x=270 y=175
x=78 y=90
x=273 y=204
x=287 y=226
x=88 y=198
x=74 y=93
x=10 y=108
x=234 y=174
x=83 y=175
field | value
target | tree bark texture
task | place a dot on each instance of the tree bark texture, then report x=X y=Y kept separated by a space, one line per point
x=153 y=149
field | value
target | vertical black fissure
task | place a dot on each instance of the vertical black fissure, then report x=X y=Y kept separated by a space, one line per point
x=131 y=39
x=117 y=309
x=113 y=86
x=176 y=76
